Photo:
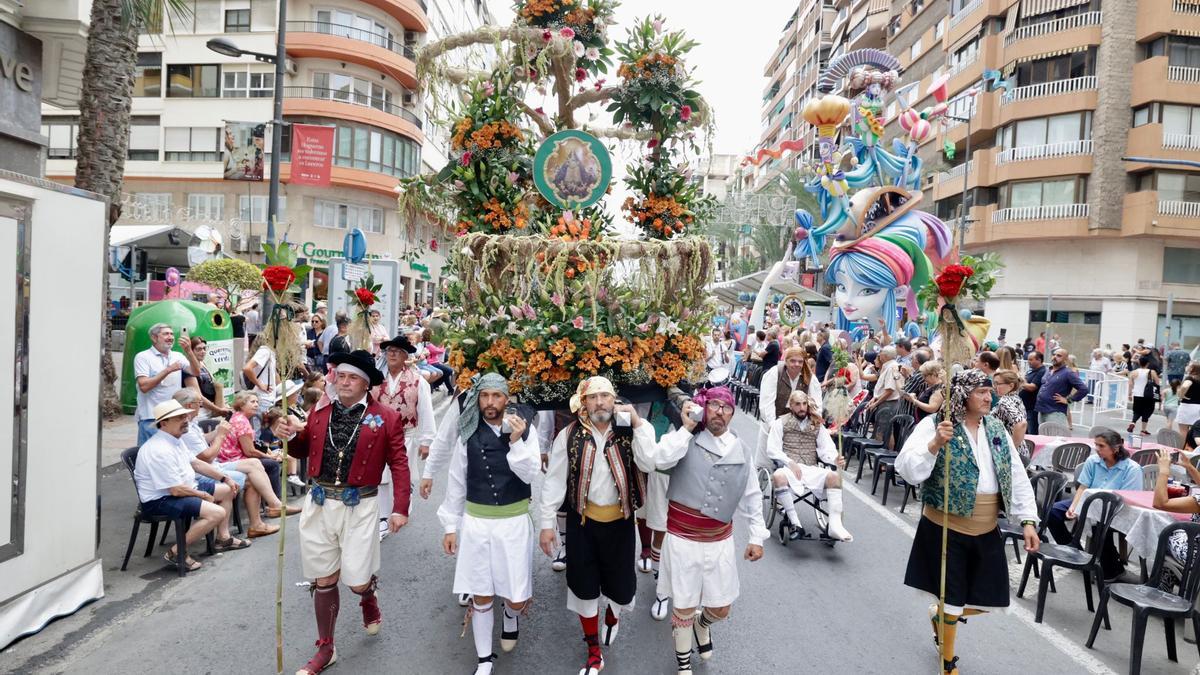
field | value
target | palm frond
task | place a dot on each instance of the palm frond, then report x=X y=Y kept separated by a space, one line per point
x=150 y=12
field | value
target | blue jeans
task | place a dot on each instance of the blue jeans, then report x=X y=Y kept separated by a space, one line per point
x=146 y=429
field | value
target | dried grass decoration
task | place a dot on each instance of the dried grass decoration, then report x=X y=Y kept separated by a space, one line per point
x=362 y=297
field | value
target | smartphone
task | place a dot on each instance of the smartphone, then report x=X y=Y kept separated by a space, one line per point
x=183 y=333
x=505 y=427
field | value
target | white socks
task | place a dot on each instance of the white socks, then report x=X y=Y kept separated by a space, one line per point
x=787 y=499
x=482 y=621
x=836 y=530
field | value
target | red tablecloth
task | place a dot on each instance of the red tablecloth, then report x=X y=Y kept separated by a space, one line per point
x=1145 y=500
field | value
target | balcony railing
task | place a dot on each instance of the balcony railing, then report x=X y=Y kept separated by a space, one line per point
x=1183 y=74
x=964 y=13
x=1044 y=151
x=1176 y=141
x=345 y=96
x=963 y=63
x=1055 y=26
x=1175 y=207
x=956 y=172
x=1183 y=7
x=388 y=42
x=1055 y=88
x=1055 y=212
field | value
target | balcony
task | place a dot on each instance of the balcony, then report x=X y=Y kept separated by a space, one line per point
x=410 y=13
x=1054 y=212
x=338 y=42
x=1156 y=80
x=1181 y=142
x=966 y=12
x=1054 y=27
x=1183 y=74
x=1150 y=140
x=1174 y=207
x=1163 y=17
x=1183 y=7
x=340 y=104
x=1047 y=151
x=1147 y=214
x=1046 y=89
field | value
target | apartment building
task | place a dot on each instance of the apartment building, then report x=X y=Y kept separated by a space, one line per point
x=351 y=65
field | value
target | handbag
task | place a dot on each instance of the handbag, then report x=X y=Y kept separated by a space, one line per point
x=1153 y=390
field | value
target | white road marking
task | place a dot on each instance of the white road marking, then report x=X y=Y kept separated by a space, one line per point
x=1076 y=652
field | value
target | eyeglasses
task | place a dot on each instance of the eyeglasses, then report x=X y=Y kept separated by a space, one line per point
x=719 y=406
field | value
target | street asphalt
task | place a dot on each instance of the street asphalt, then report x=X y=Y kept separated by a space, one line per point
x=803 y=608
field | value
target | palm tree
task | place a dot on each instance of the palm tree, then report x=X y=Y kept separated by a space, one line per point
x=104 y=104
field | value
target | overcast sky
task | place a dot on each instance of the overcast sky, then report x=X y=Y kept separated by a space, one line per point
x=736 y=39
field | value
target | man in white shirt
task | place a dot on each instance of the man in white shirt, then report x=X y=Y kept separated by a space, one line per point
x=253 y=325
x=158 y=371
x=260 y=373
x=598 y=464
x=485 y=514
x=778 y=383
x=886 y=402
x=167 y=485
x=796 y=440
x=405 y=391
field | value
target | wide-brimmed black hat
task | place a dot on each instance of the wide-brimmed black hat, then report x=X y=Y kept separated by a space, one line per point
x=400 y=342
x=361 y=359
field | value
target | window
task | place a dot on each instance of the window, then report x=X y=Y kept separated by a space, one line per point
x=191 y=144
x=1181 y=265
x=858 y=30
x=357 y=90
x=62 y=132
x=366 y=147
x=340 y=216
x=1183 y=51
x=192 y=81
x=940 y=29
x=355 y=26
x=1046 y=193
x=914 y=52
x=253 y=208
x=1181 y=187
x=153 y=206
x=206 y=207
x=143 y=139
x=1061 y=67
x=237 y=21
x=147 y=77
x=241 y=82
x=1142 y=115
x=1181 y=119
x=965 y=55
x=1046 y=130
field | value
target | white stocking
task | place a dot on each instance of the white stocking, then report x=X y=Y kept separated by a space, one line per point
x=482 y=620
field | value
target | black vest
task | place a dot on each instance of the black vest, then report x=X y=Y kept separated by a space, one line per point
x=489 y=479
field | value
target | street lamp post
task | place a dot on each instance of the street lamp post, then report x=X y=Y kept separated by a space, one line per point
x=962 y=221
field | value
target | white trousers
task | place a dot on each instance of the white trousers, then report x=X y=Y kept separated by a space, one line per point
x=495 y=557
x=338 y=537
x=698 y=574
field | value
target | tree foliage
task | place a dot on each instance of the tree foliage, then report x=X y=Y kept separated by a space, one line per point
x=230 y=275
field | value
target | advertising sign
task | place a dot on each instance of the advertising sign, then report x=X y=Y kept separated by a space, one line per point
x=312 y=154
x=244 y=150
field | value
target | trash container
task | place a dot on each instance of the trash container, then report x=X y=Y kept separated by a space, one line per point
x=200 y=319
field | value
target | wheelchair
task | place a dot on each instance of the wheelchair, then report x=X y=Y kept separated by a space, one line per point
x=772 y=510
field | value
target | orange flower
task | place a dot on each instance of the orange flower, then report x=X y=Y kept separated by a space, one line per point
x=588 y=363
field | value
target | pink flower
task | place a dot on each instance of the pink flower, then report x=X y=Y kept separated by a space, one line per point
x=547 y=35
x=539 y=110
x=517 y=312
x=512 y=177
x=568 y=216
x=466 y=159
x=592 y=54
x=567 y=32
x=643 y=328
x=554 y=329
x=578 y=48
x=459 y=184
x=685 y=113
x=599 y=84
x=533 y=73
x=602 y=294
x=529 y=312
x=580 y=74
x=557 y=299
x=652 y=143
x=577 y=322
x=489 y=88
x=658 y=25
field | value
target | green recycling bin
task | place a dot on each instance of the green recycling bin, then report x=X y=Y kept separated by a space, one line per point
x=200 y=320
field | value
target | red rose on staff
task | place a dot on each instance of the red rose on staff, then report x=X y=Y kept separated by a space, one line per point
x=951 y=279
x=365 y=296
x=278 y=277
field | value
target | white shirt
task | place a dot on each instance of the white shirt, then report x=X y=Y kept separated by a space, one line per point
x=770 y=383
x=263 y=364
x=825 y=447
x=673 y=447
x=889 y=378
x=602 y=489
x=163 y=462
x=193 y=439
x=523 y=458
x=252 y=326
x=915 y=463
x=150 y=363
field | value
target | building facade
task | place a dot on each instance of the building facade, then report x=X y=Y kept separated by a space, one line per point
x=351 y=66
x=1090 y=194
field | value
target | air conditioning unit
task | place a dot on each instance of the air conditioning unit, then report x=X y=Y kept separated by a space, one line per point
x=244 y=244
x=291 y=67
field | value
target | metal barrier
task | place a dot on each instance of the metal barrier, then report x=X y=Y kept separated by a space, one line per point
x=1108 y=392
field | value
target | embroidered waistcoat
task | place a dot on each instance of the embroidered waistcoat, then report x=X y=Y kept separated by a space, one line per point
x=964 y=472
x=618 y=452
x=800 y=445
x=404 y=401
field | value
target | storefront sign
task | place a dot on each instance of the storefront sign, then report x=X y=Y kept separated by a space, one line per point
x=418 y=267
x=20 y=100
x=312 y=154
x=320 y=256
x=243 y=150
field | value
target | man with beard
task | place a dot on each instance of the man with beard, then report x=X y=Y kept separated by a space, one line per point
x=795 y=442
x=347 y=445
x=485 y=513
x=777 y=385
x=712 y=477
x=598 y=464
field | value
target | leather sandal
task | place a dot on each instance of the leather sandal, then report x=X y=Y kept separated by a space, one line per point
x=264 y=531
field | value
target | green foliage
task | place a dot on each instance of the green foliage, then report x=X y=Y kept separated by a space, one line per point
x=588 y=20
x=657 y=91
x=231 y=275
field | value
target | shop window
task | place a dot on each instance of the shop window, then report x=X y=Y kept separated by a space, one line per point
x=1181 y=265
x=147 y=76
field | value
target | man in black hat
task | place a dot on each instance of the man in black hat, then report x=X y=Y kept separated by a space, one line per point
x=347 y=445
x=405 y=391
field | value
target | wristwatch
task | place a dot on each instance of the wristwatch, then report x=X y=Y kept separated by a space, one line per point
x=1028 y=522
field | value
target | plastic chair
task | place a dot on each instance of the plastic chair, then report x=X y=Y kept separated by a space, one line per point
x=1149 y=477
x=1053 y=429
x=1047 y=486
x=1068 y=456
x=1169 y=438
x=129 y=458
x=1030 y=447
x=1073 y=555
x=1145 y=458
x=1151 y=599
x=885 y=461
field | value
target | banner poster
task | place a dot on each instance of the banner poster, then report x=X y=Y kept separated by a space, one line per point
x=243 y=150
x=312 y=154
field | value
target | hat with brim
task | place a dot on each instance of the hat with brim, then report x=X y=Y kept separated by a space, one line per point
x=875 y=209
x=399 y=342
x=290 y=388
x=360 y=363
x=168 y=409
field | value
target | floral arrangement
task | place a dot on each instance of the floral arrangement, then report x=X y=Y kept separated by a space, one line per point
x=973 y=276
x=585 y=24
x=281 y=279
x=361 y=297
x=665 y=201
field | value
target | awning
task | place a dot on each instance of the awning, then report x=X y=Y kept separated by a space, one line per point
x=123 y=235
x=729 y=291
x=1037 y=7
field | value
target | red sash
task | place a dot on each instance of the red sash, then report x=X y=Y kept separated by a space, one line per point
x=691 y=524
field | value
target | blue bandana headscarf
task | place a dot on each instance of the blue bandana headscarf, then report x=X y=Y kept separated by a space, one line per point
x=468 y=420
